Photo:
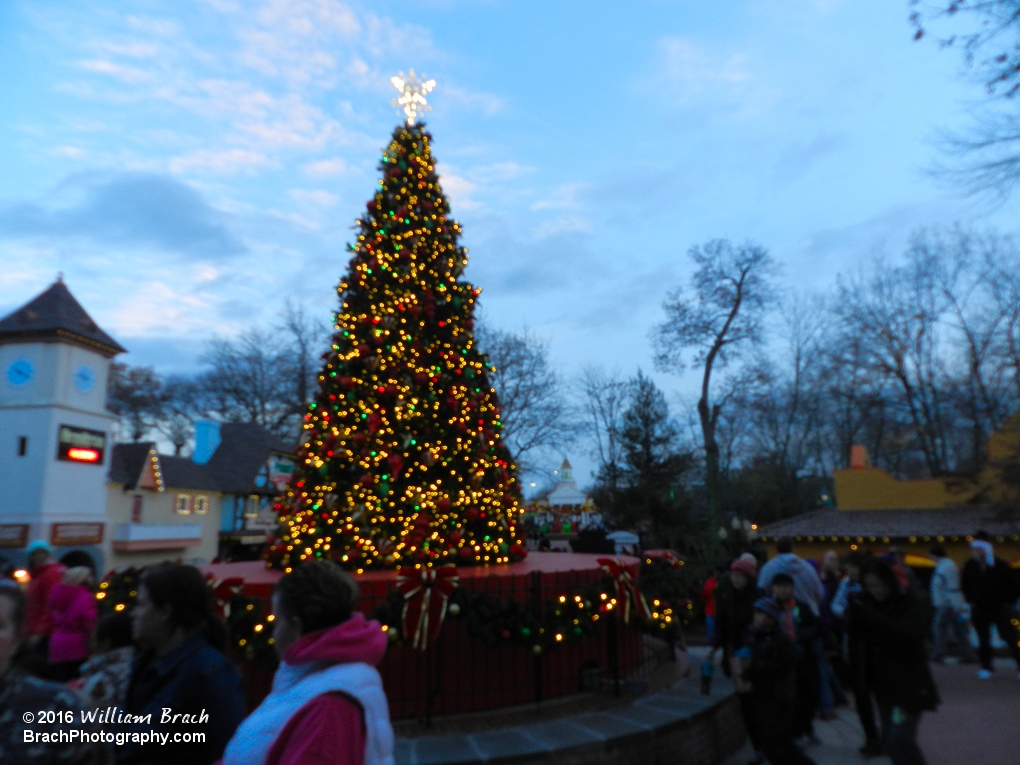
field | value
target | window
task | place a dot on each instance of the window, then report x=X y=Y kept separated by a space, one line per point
x=200 y=506
x=182 y=505
x=136 y=508
x=22 y=446
x=251 y=507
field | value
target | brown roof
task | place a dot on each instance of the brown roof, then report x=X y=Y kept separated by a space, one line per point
x=895 y=524
x=55 y=314
x=127 y=462
x=243 y=450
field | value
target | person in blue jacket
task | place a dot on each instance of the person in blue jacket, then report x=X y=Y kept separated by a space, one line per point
x=181 y=669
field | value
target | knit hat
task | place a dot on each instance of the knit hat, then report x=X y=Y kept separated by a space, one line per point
x=986 y=548
x=769 y=605
x=39 y=544
x=743 y=566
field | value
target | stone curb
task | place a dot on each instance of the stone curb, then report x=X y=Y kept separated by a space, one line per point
x=585 y=737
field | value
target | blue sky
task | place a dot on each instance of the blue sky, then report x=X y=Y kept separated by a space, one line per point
x=189 y=166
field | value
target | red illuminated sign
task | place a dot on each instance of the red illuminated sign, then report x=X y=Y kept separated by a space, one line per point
x=77 y=454
x=80 y=445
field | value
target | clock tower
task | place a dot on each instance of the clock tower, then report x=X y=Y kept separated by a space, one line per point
x=55 y=440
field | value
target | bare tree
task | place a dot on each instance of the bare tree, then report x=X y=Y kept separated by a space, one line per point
x=268 y=377
x=535 y=413
x=987 y=158
x=134 y=396
x=177 y=403
x=897 y=311
x=244 y=383
x=605 y=399
x=731 y=292
x=305 y=339
x=964 y=266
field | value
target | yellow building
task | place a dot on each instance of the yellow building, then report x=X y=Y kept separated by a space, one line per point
x=875 y=510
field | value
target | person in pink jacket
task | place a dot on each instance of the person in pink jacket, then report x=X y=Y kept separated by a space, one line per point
x=74 y=617
x=327 y=703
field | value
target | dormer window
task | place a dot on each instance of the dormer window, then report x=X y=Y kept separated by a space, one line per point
x=182 y=504
x=200 y=505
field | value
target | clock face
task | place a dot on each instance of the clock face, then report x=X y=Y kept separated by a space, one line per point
x=20 y=372
x=84 y=378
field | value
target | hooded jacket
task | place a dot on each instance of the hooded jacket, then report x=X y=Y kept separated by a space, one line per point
x=74 y=616
x=38 y=616
x=806 y=584
x=327 y=704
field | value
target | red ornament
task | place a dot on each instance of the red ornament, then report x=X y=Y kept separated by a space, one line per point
x=466 y=553
x=367 y=480
x=444 y=505
x=395 y=461
x=472 y=513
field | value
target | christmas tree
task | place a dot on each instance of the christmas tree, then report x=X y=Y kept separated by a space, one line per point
x=402 y=464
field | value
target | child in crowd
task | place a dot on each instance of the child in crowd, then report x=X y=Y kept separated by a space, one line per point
x=104 y=677
x=772 y=672
x=799 y=621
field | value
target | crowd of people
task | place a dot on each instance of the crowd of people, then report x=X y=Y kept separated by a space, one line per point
x=802 y=637
x=153 y=686
x=798 y=637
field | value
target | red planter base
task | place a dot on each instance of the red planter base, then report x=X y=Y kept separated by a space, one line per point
x=460 y=673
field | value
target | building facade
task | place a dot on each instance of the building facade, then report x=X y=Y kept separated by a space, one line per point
x=63 y=480
x=55 y=430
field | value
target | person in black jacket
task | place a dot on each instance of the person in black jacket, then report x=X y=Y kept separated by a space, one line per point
x=991 y=588
x=801 y=624
x=892 y=626
x=734 y=612
x=771 y=668
x=181 y=669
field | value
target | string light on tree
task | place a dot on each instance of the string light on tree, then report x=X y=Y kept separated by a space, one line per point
x=403 y=464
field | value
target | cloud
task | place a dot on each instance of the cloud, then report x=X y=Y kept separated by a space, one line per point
x=486 y=103
x=563 y=198
x=696 y=77
x=800 y=156
x=146 y=209
x=315 y=196
x=226 y=161
x=156 y=306
x=127 y=74
x=459 y=190
x=326 y=167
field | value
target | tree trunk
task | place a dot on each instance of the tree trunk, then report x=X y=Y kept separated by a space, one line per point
x=708 y=423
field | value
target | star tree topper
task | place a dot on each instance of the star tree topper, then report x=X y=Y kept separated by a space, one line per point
x=412 y=94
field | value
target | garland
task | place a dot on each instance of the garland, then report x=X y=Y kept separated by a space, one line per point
x=566 y=618
x=563 y=619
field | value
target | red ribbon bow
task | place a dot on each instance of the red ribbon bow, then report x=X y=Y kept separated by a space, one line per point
x=627 y=593
x=421 y=609
x=223 y=590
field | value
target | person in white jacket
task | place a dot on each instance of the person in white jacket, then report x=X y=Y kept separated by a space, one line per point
x=951 y=612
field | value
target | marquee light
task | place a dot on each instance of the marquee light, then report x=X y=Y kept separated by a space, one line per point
x=77 y=454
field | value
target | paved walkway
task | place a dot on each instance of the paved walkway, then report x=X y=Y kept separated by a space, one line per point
x=978 y=723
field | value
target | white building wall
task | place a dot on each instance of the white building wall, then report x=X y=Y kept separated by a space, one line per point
x=37 y=488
